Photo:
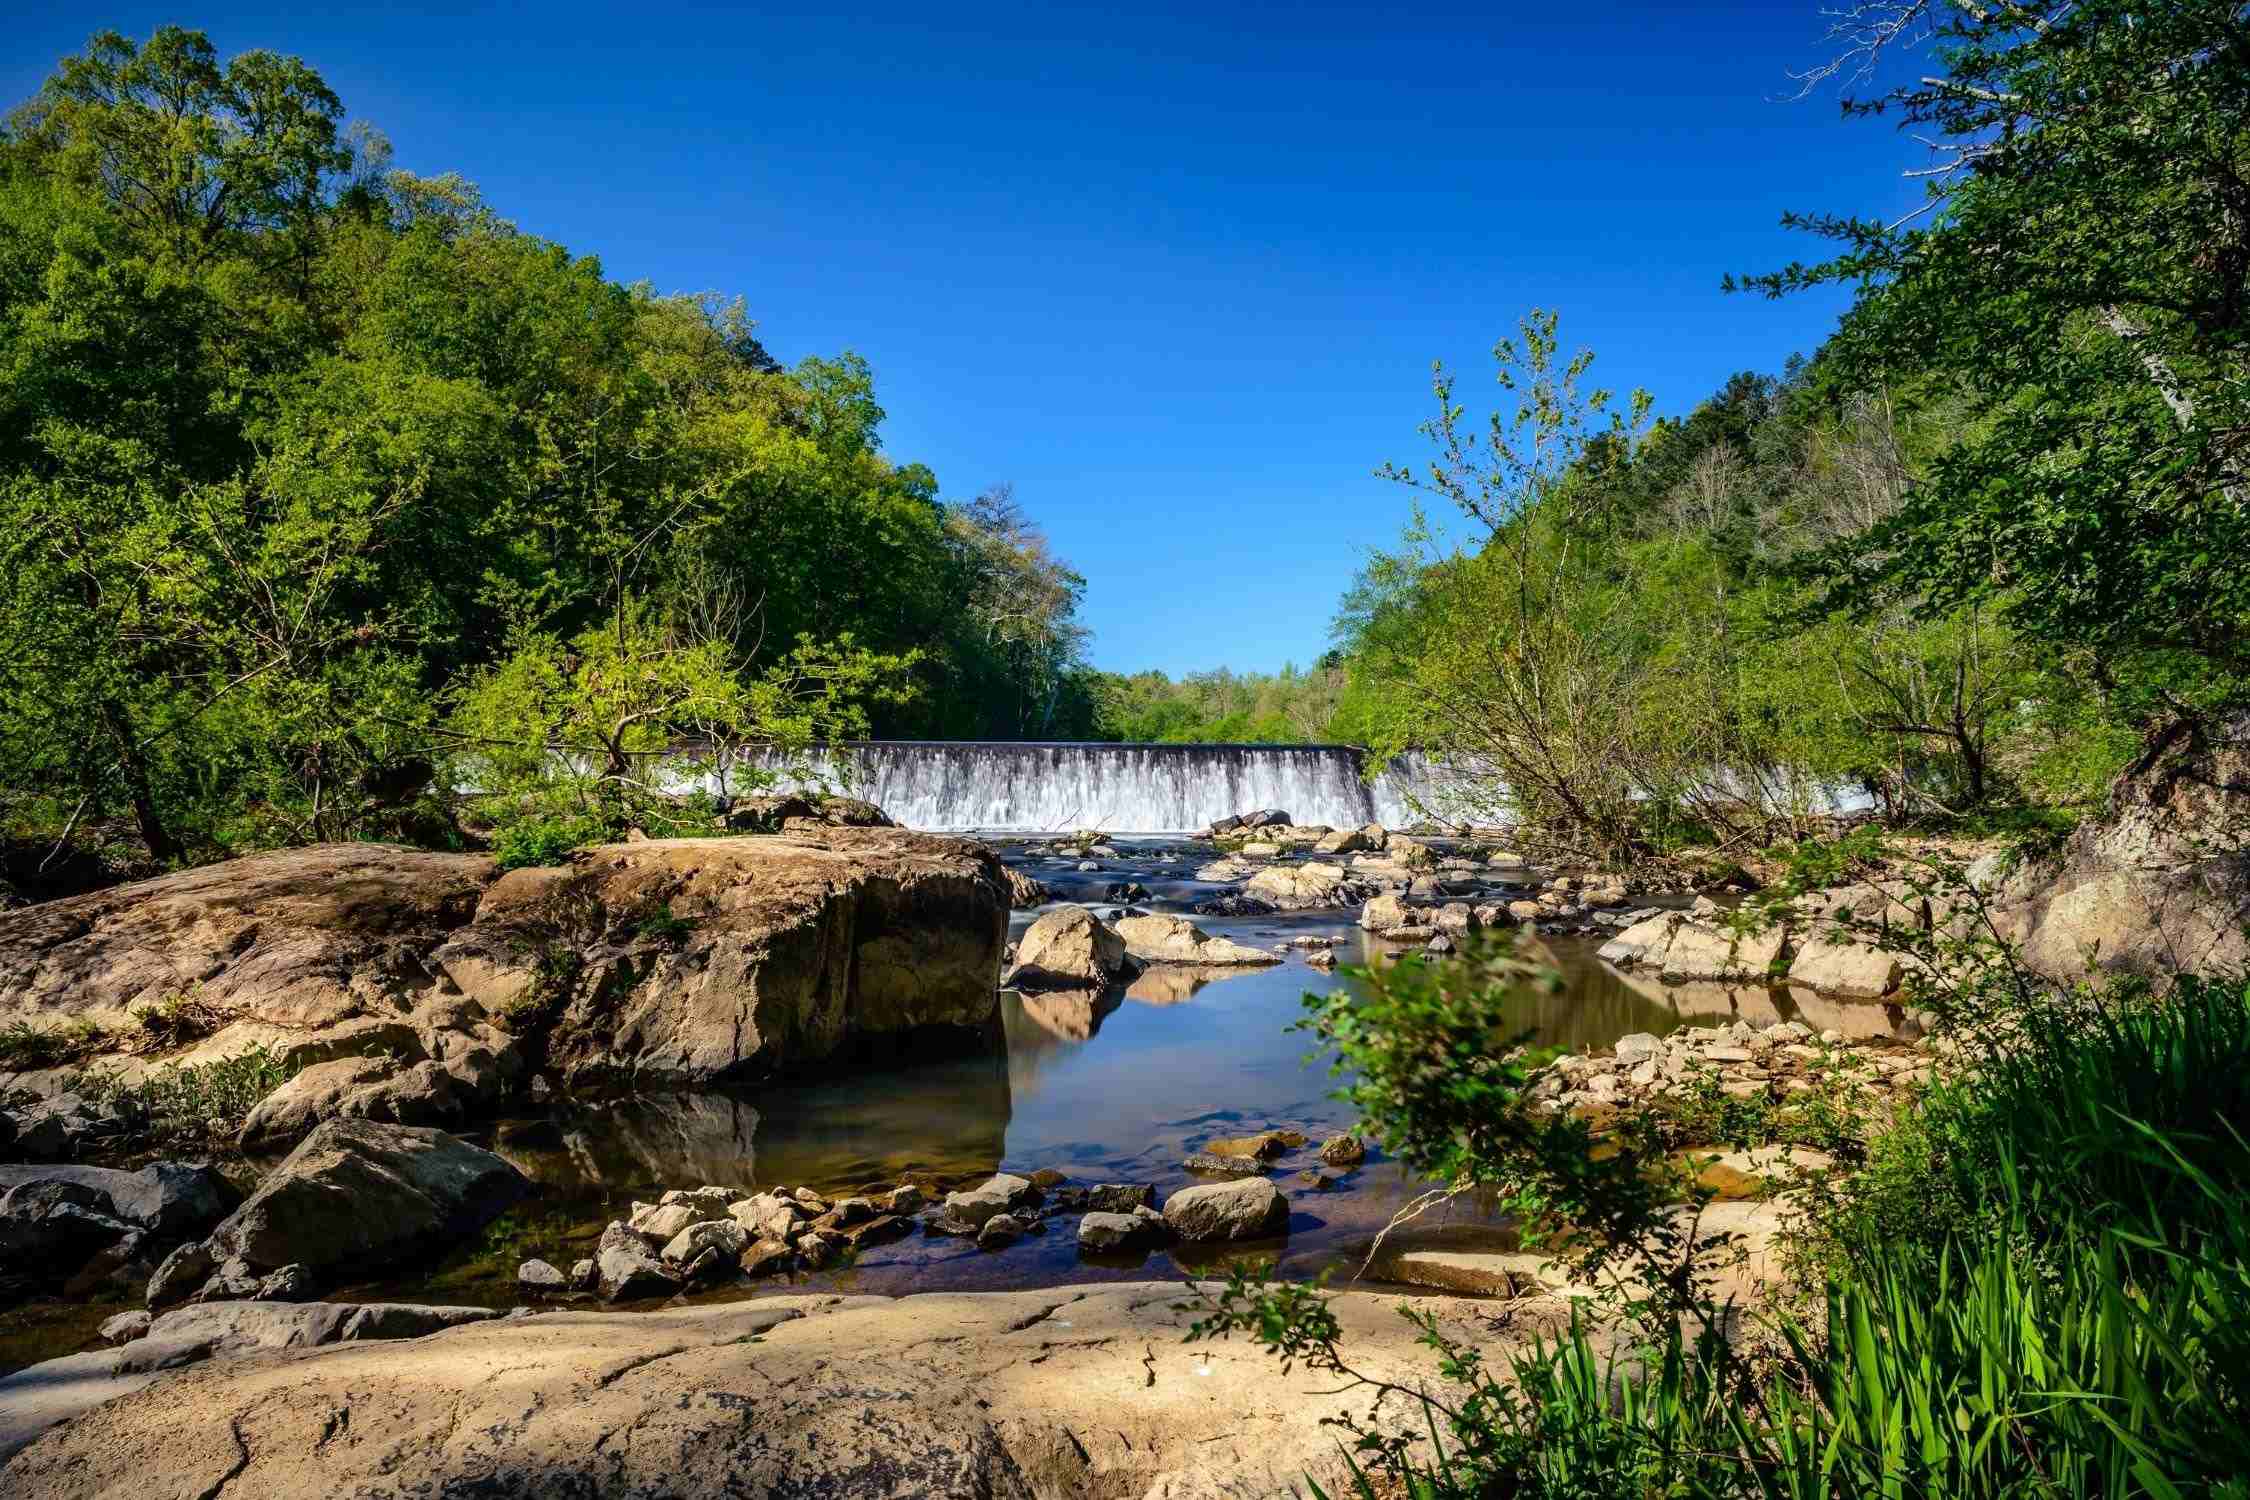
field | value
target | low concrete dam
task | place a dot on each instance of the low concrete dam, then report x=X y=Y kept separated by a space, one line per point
x=1137 y=788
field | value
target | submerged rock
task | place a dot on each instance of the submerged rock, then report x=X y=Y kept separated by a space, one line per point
x=1233 y=904
x=1102 y=1231
x=1002 y=1194
x=1001 y=1230
x=1120 y=1197
x=1024 y=893
x=1265 y=1145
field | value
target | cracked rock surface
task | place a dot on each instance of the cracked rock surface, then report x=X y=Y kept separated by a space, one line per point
x=1083 y=1391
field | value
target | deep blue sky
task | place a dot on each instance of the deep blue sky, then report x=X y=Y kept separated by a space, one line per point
x=1178 y=273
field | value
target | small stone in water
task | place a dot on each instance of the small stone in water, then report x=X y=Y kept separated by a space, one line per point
x=1120 y=1197
x=1000 y=1230
x=540 y=1278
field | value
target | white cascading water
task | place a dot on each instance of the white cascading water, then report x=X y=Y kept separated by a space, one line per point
x=1119 y=788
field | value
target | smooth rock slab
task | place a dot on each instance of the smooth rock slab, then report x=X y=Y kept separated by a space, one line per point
x=1163 y=939
x=35 y=1399
x=1068 y=1392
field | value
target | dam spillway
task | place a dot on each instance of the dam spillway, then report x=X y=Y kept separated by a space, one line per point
x=1051 y=786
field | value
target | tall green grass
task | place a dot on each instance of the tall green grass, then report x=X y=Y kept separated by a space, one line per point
x=2070 y=1317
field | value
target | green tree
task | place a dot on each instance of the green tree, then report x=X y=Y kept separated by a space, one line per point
x=2081 y=270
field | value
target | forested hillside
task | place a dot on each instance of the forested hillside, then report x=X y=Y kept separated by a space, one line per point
x=314 y=472
x=327 y=490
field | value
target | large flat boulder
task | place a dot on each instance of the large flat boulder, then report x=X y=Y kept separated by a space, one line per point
x=302 y=938
x=1063 y=1392
x=2159 y=883
x=1300 y=887
x=170 y=1200
x=44 y=1395
x=422 y=987
x=692 y=961
x=77 y=1227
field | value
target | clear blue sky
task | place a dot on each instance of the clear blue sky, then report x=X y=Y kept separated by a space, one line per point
x=1178 y=273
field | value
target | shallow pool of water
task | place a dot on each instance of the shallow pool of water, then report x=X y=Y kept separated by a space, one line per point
x=1119 y=1088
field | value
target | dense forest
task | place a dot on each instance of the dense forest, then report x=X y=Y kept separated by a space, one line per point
x=329 y=492
x=315 y=473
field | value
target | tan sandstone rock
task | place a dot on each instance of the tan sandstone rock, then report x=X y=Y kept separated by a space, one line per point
x=1164 y=939
x=1066 y=948
x=1068 y=1392
x=1296 y=887
x=780 y=952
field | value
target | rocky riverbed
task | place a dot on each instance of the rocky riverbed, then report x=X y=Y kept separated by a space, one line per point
x=1139 y=1109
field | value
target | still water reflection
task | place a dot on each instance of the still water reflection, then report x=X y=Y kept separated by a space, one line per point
x=1105 y=1087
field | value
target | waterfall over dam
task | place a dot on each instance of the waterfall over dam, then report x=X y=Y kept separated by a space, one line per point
x=1053 y=786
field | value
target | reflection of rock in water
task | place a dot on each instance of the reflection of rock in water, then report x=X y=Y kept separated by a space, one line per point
x=1169 y=984
x=1035 y=1020
x=949 y=1117
x=1763 y=1005
x=683 y=1140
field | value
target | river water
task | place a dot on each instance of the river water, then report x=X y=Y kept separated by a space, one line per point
x=1119 y=1089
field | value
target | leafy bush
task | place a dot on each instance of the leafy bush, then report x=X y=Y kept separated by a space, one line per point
x=1834 y=1116
x=24 y=1046
x=206 y=1103
x=179 y=1018
x=663 y=925
x=545 y=840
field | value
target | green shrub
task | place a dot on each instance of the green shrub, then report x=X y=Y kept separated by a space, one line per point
x=545 y=840
x=663 y=925
x=24 y=1046
x=205 y=1103
x=179 y=1018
